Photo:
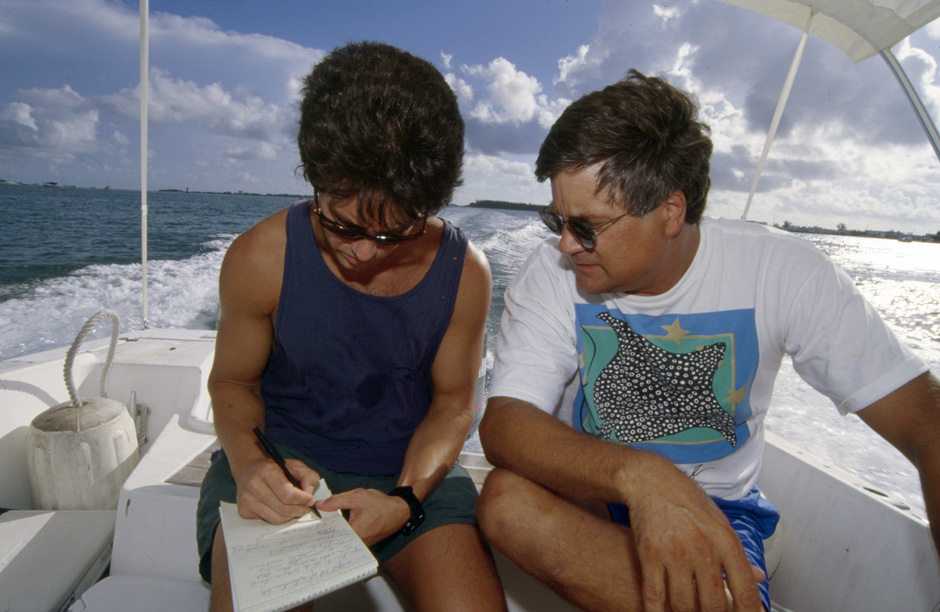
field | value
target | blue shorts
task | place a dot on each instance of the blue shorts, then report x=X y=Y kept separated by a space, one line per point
x=753 y=517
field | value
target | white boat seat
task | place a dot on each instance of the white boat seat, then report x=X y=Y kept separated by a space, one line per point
x=158 y=514
x=49 y=556
x=123 y=593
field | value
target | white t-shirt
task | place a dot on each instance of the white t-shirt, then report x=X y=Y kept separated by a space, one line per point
x=689 y=374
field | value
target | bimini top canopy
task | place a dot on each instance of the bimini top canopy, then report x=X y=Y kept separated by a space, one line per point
x=861 y=28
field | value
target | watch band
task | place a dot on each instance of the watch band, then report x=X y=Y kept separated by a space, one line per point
x=417 y=511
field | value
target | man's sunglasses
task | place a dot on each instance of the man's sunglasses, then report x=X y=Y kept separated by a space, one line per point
x=585 y=233
x=357 y=234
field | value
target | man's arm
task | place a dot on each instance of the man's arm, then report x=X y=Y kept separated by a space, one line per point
x=683 y=541
x=440 y=436
x=249 y=284
x=909 y=418
x=436 y=443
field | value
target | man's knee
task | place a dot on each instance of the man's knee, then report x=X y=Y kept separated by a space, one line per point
x=499 y=501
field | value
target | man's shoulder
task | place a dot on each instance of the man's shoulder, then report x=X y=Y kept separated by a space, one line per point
x=270 y=230
x=262 y=245
x=755 y=238
x=741 y=227
x=475 y=261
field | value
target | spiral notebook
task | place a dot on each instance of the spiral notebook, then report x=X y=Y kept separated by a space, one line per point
x=277 y=567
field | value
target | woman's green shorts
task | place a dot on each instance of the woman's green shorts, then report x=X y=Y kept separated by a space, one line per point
x=452 y=501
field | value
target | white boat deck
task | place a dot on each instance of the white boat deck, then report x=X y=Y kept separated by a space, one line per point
x=842 y=547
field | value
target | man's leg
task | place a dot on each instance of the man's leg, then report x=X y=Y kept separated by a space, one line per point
x=221 y=594
x=584 y=557
x=448 y=568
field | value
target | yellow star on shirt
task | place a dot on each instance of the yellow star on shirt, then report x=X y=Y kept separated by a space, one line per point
x=736 y=397
x=675 y=332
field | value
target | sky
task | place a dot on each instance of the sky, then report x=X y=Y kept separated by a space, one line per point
x=224 y=78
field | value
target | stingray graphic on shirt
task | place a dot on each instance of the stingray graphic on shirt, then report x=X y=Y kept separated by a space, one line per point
x=646 y=393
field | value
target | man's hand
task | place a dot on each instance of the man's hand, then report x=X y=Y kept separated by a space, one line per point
x=264 y=492
x=373 y=515
x=688 y=551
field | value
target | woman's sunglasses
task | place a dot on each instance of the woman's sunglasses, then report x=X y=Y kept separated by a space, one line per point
x=357 y=234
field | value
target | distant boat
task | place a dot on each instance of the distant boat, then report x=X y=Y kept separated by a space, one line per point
x=52 y=184
x=906 y=238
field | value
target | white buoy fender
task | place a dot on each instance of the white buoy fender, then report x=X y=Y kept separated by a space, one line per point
x=79 y=462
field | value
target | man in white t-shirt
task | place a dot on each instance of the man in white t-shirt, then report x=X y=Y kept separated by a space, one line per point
x=636 y=361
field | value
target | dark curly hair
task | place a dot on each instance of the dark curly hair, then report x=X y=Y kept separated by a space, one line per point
x=382 y=124
x=647 y=135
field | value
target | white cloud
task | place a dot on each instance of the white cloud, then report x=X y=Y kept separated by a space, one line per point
x=483 y=165
x=514 y=96
x=681 y=74
x=501 y=178
x=214 y=94
x=666 y=12
x=59 y=124
x=21 y=113
x=239 y=114
x=462 y=89
x=573 y=64
x=199 y=33
x=512 y=93
x=921 y=67
x=261 y=150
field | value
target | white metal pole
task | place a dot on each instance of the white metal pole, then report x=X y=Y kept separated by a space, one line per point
x=781 y=104
x=922 y=115
x=144 y=95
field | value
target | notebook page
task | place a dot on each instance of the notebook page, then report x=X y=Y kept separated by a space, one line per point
x=275 y=567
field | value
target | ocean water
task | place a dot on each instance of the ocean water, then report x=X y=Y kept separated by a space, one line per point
x=67 y=253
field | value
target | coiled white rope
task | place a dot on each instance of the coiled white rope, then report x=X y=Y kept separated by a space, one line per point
x=70 y=356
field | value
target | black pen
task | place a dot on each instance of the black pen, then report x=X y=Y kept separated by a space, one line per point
x=272 y=451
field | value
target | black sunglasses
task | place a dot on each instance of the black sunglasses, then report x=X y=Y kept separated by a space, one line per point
x=356 y=234
x=585 y=233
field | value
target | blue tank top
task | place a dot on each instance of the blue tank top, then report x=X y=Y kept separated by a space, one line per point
x=349 y=379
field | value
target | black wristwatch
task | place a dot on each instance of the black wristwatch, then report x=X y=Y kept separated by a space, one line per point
x=417 y=511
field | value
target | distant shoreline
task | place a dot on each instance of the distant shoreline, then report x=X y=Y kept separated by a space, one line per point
x=501 y=205
x=504 y=205
x=843 y=231
x=239 y=193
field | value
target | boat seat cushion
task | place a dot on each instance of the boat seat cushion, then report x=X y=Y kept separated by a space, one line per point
x=121 y=593
x=49 y=556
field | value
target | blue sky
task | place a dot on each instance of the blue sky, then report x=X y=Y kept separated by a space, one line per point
x=224 y=75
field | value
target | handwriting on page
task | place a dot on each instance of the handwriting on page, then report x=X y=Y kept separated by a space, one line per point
x=282 y=562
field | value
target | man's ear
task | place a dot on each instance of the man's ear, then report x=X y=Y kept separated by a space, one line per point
x=672 y=210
